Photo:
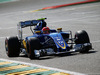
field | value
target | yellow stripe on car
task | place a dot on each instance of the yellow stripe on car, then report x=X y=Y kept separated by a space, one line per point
x=62 y=46
x=24 y=43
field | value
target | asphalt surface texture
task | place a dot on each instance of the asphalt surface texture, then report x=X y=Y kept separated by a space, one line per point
x=74 y=18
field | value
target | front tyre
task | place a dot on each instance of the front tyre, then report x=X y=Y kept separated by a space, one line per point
x=32 y=45
x=12 y=46
x=81 y=37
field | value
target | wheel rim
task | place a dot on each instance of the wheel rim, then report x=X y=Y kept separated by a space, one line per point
x=6 y=46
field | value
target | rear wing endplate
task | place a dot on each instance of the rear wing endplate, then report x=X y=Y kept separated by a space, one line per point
x=31 y=22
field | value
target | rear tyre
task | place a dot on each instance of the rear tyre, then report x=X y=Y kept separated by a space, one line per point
x=12 y=46
x=32 y=44
x=82 y=37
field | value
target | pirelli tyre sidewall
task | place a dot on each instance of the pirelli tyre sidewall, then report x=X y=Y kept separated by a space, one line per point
x=82 y=37
x=12 y=46
x=32 y=44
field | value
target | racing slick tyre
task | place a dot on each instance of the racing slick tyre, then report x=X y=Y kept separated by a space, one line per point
x=32 y=44
x=12 y=46
x=82 y=37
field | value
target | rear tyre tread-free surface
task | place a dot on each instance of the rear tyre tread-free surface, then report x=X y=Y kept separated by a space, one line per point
x=12 y=46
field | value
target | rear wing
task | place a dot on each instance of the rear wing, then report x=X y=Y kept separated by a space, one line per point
x=30 y=22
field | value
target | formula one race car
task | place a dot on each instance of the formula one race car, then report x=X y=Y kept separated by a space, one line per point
x=43 y=44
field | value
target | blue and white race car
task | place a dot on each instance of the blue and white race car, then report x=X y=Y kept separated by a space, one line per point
x=41 y=44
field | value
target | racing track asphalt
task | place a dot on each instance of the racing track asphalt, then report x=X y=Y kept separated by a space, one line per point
x=79 y=17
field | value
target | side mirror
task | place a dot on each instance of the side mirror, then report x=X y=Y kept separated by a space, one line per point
x=59 y=30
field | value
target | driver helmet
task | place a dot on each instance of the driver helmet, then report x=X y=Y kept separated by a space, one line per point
x=40 y=25
x=46 y=30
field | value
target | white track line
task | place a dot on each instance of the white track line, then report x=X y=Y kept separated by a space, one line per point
x=40 y=66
